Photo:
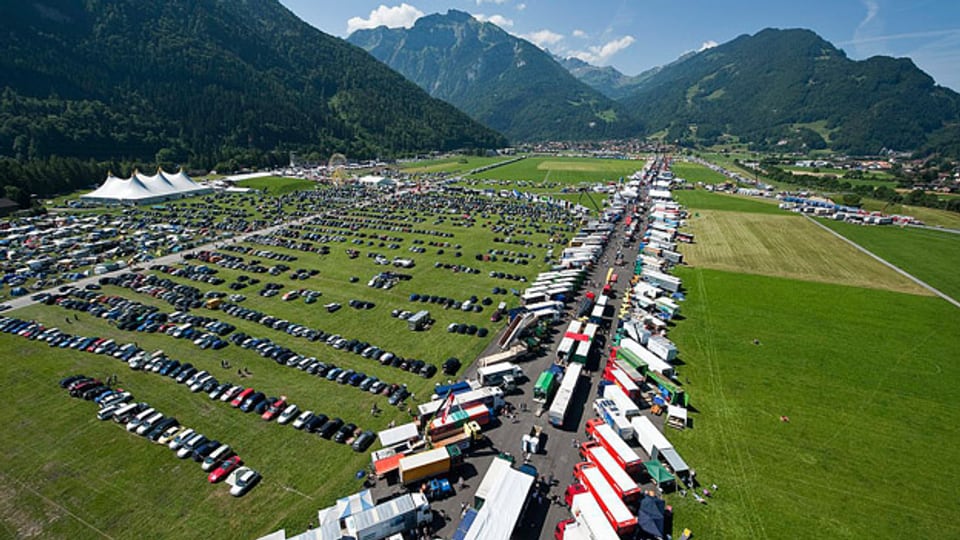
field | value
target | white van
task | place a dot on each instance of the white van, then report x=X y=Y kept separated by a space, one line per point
x=221 y=453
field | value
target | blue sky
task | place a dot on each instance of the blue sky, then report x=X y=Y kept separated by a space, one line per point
x=634 y=35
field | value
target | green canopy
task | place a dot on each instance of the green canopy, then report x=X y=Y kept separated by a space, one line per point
x=658 y=472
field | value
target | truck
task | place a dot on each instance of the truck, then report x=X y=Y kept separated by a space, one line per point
x=429 y=463
x=512 y=353
x=440 y=390
x=490 y=396
x=619 y=378
x=547 y=384
x=624 y=521
x=561 y=402
x=621 y=482
x=408 y=512
x=442 y=425
x=464 y=439
x=625 y=456
x=503 y=375
x=662 y=347
x=650 y=438
x=614 y=417
x=627 y=406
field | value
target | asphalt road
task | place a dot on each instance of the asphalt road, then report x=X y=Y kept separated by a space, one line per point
x=558 y=454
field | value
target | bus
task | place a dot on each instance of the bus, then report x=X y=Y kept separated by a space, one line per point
x=561 y=402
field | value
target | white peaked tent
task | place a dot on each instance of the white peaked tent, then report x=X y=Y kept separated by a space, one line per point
x=142 y=189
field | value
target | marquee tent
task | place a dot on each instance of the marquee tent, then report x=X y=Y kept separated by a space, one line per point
x=143 y=189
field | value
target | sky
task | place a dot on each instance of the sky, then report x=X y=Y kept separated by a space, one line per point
x=635 y=35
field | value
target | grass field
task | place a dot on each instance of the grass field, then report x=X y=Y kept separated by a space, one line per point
x=67 y=475
x=694 y=172
x=868 y=380
x=276 y=185
x=700 y=199
x=931 y=256
x=787 y=246
x=453 y=165
x=564 y=170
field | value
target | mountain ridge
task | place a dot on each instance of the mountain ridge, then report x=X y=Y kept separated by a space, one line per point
x=134 y=79
x=503 y=81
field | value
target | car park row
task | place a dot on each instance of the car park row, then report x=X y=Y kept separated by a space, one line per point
x=216 y=458
x=247 y=399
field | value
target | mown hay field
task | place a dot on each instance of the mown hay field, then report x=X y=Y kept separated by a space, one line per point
x=785 y=246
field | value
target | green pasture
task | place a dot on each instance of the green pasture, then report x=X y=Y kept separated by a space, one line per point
x=277 y=185
x=451 y=165
x=867 y=379
x=694 y=172
x=700 y=199
x=563 y=170
x=929 y=255
x=68 y=475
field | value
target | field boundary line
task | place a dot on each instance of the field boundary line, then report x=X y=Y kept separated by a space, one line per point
x=56 y=504
x=890 y=265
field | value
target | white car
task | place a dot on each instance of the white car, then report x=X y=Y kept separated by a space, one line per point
x=147 y=424
x=106 y=413
x=134 y=422
x=304 y=417
x=221 y=453
x=198 y=384
x=187 y=447
x=180 y=438
x=196 y=377
x=231 y=393
x=288 y=414
x=244 y=479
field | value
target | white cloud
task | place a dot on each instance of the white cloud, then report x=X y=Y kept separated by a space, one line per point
x=708 y=44
x=543 y=38
x=578 y=33
x=498 y=20
x=869 y=27
x=392 y=17
x=600 y=54
x=521 y=7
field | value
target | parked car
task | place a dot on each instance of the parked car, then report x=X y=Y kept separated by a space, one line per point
x=301 y=420
x=244 y=481
x=344 y=433
x=224 y=469
x=219 y=454
x=364 y=441
x=288 y=414
x=330 y=428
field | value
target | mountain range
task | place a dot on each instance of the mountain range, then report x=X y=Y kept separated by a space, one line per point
x=199 y=81
x=500 y=80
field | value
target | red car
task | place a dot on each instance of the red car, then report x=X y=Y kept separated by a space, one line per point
x=274 y=409
x=242 y=396
x=224 y=470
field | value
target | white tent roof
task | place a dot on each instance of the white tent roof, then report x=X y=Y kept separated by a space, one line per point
x=140 y=187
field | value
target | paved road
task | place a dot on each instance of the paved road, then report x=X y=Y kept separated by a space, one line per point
x=886 y=263
x=559 y=455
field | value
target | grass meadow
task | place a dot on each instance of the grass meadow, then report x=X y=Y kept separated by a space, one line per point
x=694 y=172
x=867 y=379
x=784 y=245
x=451 y=165
x=931 y=256
x=565 y=170
x=65 y=474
